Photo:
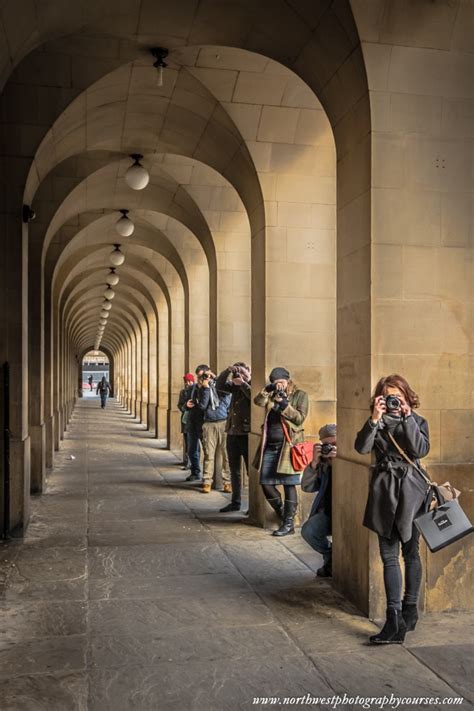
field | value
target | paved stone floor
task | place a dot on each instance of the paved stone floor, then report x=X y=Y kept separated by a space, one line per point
x=131 y=592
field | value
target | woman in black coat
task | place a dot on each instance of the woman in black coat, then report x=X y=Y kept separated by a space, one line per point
x=397 y=492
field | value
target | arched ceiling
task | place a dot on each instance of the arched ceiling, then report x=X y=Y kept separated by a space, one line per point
x=111 y=106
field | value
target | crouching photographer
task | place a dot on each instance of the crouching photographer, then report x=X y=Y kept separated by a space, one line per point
x=286 y=410
x=317 y=478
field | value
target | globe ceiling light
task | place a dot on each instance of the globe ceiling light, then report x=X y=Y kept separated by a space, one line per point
x=104 y=314
x=107 y=305
x=109 y=293
x=112 y=278
x=124 y=225
x=117 y=257
x=137 y=177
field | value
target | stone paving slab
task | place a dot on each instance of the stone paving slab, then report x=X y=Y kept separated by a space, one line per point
x=131 y=592
x=220 y=685
x=45 y=692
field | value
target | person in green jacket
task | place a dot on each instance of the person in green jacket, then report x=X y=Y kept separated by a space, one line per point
x=286 y=410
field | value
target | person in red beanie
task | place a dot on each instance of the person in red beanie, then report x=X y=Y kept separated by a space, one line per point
x=189 y=381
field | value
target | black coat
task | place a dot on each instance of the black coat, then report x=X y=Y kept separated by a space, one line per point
x=238 y=419
x=396 y=491
x=194 y=415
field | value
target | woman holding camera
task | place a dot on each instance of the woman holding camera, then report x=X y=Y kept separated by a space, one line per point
x=397 y=492
x=286 y=410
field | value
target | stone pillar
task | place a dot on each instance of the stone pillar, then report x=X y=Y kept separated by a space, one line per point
x=14 y=351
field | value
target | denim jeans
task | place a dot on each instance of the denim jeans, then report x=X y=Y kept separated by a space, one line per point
x=194 y=452
x=237 y=449
x=315 y=532
x=392 y=574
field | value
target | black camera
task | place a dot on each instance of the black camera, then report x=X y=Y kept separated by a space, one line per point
x=326 y=449
x=206 y=376
x=393 y=403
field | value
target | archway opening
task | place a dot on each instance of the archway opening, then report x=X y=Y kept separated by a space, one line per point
x=95 y=365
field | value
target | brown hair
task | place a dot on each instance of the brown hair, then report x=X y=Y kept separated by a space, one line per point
x=396 y=381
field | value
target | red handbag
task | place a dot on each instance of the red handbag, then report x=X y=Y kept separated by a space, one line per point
x=301 y=454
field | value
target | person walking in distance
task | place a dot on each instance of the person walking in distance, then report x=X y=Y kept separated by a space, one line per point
x=103 y=389
x=236 y=380
x=397 y=493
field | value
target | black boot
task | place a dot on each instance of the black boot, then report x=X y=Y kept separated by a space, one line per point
x=410 y=615
x=233 y=506
x=277 y=506
x=287 y=527
x=326 y=570
x=393 y=631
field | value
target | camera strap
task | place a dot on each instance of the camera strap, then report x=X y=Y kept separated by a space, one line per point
x=407 y=459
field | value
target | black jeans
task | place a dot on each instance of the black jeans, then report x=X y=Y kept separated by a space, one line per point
x=237 y=449
x=392 y=574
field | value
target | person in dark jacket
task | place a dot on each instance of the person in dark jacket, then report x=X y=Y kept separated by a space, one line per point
x=103 y=389
x=194 y=421
x=236 y=380
x=317 y=477
x=397 y=492
x=188 y=380
x=286 y=410
x=215 y=407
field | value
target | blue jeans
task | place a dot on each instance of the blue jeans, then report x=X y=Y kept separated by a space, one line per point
x=194 y=452
x=315 y=531
x=392 y=574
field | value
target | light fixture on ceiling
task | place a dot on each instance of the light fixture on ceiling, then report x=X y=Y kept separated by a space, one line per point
x=137 y=177
x=117 y=257
x=124 y=225
x=112 y=278
x=109 y=293
x=160 y=54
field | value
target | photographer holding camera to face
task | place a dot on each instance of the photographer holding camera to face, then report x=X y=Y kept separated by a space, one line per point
x=236 y=380
x=396 y=494
x=214 y=405
x=286 y=410
x=194 y=421
x=317 y=477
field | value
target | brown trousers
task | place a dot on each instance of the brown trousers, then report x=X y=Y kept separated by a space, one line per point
x=214 y=438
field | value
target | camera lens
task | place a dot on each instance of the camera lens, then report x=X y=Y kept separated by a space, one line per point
x=392 y=402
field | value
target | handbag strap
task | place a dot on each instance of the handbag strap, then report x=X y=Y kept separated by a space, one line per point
x=407 y=458
x=285 y=431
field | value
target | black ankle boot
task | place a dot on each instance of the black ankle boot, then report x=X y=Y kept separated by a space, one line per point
x=393 y=631
x=410 y=615
x=277 y=506
x=287 y=527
